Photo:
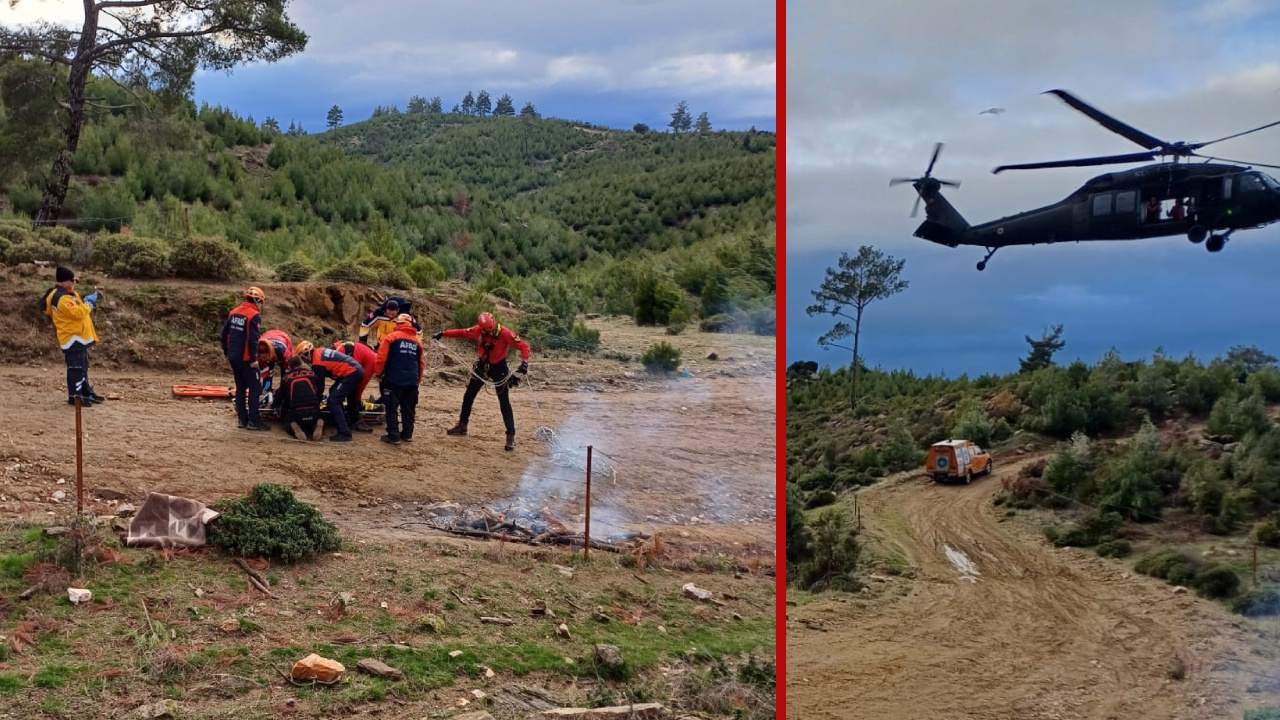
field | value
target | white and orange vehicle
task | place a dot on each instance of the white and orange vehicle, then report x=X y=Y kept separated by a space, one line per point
x=957 y=460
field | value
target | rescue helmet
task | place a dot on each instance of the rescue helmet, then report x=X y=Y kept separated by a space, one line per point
x=304 y=348
x=404 y=319
x=486 y=321
x=255 y=293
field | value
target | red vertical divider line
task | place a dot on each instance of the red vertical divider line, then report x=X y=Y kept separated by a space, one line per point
x=780 y=344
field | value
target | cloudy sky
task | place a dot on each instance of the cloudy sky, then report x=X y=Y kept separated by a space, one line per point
x=614 y=63
x=872 y=85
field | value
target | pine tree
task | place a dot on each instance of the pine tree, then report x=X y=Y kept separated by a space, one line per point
x=680 y=119
x=483 y=104
x=529 y=111
x=335 y=117
x=435 y=106
x=703 y=126
x=271 y=126
x=506 y=107
x=469 y=104
x=417 y=104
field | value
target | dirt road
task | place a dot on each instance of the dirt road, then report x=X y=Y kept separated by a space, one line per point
x=998 y=624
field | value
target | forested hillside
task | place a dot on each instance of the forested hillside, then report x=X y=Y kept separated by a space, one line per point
x=568 y=215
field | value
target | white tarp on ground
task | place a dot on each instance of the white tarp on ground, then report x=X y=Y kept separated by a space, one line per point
x=168 y=521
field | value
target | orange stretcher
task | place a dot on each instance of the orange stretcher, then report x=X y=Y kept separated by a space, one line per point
x=204 y=391
x=371 y=411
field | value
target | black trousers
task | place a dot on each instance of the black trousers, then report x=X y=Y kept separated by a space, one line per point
x=248 y=391
x=306 y=419
x=77 y=357
x=496 y=372
x=401 y=403
x=344 y=390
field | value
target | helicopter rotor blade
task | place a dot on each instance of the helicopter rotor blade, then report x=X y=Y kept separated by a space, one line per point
x=936 y=150
x=1082 y=162
x=1197 y=146
x=950 y=183
x=900 y=180
x=1133 y=134
x=915 y=210
x=1240 y=162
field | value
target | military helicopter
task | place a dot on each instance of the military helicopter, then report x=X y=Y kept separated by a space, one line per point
x=1204 y=201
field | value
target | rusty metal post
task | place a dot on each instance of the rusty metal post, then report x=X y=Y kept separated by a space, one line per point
x=1255 y=564
x=586 y=532
x=79 y=461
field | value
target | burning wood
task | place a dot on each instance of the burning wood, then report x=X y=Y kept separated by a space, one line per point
x=533 y=527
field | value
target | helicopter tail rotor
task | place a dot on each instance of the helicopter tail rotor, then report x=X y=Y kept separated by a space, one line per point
x=927 y=184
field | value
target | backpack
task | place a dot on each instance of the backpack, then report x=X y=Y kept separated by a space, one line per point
x=301 y=391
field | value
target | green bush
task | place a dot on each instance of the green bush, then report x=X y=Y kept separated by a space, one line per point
x=1169 y=565
x=765 y=322
x=295 y=270
x=208 y=258
x=723 y=323
x=15 y=233
x=654 y=299
x=349 y=271
x=1217 y=581
x=821 y=498
x=1267 y=531
x=677 y=321
x=1093 y=528
x=131 y=256
x=60 y=236
x=425 y=272
x=473 y=303
x=1257 y=603
x=1114 y=549
x=270 y=522
x=34 y=250
x=387 y=273
x=584 y=338
x=661 y=357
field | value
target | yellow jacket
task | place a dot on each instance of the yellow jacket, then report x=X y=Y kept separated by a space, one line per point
x=71 y=317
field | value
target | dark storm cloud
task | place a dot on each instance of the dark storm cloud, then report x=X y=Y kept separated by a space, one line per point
x=871 y=86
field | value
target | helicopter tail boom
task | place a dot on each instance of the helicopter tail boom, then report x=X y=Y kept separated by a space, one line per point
x=943 y=223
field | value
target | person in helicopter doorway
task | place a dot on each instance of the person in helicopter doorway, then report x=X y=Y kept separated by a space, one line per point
x=493 y=343
x=1153 y=210
x=1178 y=212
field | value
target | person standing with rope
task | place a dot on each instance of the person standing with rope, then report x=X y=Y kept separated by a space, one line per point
x=493 y=343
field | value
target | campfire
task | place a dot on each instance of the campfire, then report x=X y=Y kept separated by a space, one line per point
x=516 y=523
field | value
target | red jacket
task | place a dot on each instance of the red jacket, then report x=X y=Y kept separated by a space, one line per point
x=332 y=363
x=490 y=349
x=364 y=355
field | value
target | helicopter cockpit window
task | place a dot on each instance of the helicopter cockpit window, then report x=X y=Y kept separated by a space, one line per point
x=1102 y=204
x=1250 y=182
x=1126 y=202
x=1269 y=181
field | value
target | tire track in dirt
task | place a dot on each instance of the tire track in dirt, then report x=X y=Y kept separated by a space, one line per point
x=1039 y=633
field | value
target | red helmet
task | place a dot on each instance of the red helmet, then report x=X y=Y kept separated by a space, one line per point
x=486 y=321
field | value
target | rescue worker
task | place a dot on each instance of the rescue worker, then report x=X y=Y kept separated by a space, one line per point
x=299 y=401
x=362 y=354
x=240 y=334
x=493 y=342
x=274 y=350
x=346 y=373
x=399 y=366
x=382 y=321
x=73 y=321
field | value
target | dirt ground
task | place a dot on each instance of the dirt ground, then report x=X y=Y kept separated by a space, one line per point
x=999 y=624
x=693 y=455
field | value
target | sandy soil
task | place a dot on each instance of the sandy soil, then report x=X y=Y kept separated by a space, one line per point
x=999 y=624
x=695 y=455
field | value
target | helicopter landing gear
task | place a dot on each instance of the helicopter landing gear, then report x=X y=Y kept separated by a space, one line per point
x=1197 y=234
x=982 y=264
x=1215 y=243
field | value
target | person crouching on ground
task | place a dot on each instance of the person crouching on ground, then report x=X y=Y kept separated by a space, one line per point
x=73 y=321
x=240 y=334
x=493 y=342
x=299 y=401
x=347 y=375
x=399 y=368
x=364 y=355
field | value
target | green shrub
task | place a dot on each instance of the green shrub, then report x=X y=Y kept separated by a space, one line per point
x=295 y=270
x=1169 y=565
x=1257 y=603
x=387 y=273
x=654 y=299
x=5 y=244
x=425 y=272
x=765 y=322
x=677 y=321
x=1093 y=528
x=349 y=271
x=270 y=522
x=131 y=256
x=821 y=498
x=1267 y=531
x=1114 y=549
x=60 y=236
x=661 y=357
x=208 y=258
x=584 y=338
x=473 y=303
x=723 y=323
x=1217 y=581
x=34 y=250
x=15 y=233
